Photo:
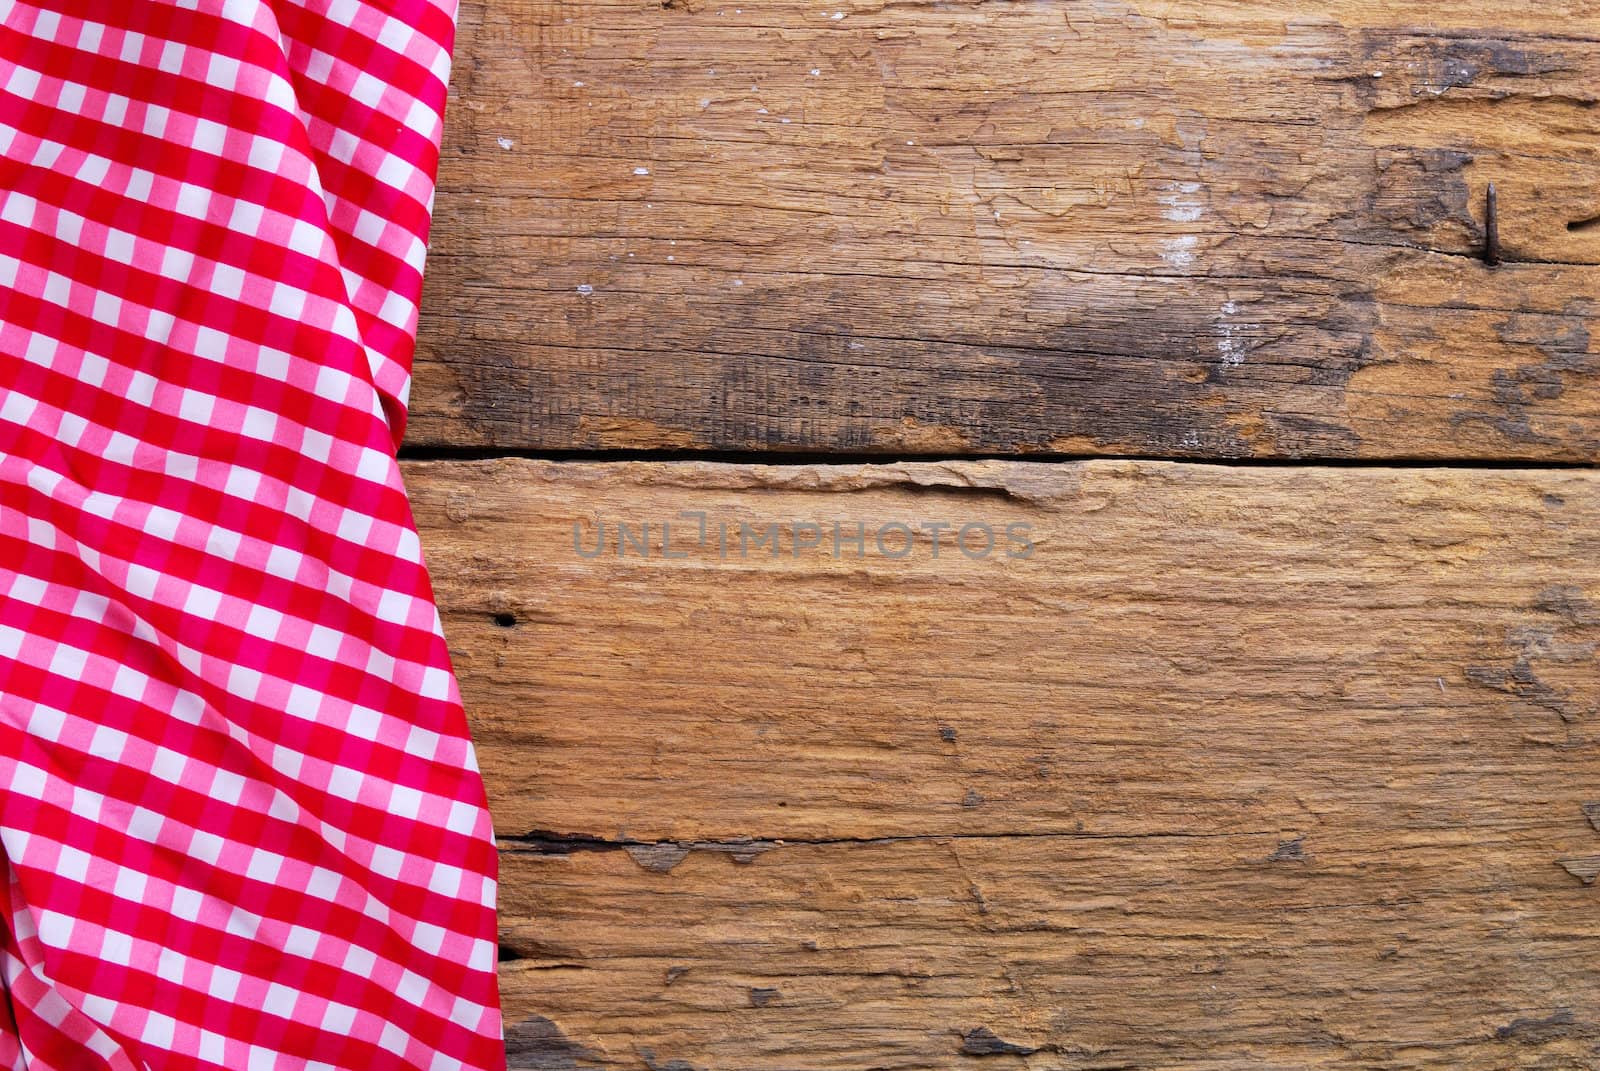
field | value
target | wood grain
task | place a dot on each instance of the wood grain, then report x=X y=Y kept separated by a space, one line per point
x=1153 y=227
x=1237 y=767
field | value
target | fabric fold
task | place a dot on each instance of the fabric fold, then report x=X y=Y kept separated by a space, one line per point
x=241 y=820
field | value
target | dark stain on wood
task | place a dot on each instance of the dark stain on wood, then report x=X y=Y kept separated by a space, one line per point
x=1232 y=231
x=1289 y=851
x=981 y=1041
x=1550 y=664
x=1586 y=868
x=652 y=1062
x=538 y=1044
x=1537 y=1029
x=1591 y=811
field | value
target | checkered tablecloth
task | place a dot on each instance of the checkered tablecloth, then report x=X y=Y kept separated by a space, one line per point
x=241 y=825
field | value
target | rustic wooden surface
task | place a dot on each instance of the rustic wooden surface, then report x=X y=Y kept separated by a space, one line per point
x=1242 y=766
x=1155 y=227
x=1266 y=767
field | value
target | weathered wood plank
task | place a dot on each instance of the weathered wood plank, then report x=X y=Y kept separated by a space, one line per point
x=1058 y=952
x=1245 y=228
x=1268 y=767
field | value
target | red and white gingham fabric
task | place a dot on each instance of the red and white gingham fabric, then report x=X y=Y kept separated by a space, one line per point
x=240 y=816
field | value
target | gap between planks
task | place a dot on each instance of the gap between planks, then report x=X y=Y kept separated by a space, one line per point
x=779 y=457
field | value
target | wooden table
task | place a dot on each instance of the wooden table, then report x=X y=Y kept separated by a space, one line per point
x=1263 y=731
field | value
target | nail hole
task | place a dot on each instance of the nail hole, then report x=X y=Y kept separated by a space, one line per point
x=505 y=620
x=1584 y=224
